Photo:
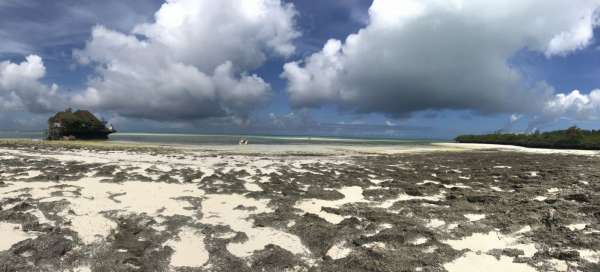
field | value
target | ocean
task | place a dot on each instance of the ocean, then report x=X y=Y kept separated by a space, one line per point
x=229 y=139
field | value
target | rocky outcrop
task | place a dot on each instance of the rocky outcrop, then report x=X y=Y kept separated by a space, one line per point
x=78 y=125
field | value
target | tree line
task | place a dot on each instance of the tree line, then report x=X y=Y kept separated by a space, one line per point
x=571 y=138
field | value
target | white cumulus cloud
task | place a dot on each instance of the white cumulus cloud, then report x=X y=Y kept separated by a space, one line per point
x=192 y=62
x=22 y=90
x=574 y=105
x=417 y=55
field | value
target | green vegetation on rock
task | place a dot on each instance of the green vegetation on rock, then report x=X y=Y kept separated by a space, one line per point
x=571 y=138
x=80 y=124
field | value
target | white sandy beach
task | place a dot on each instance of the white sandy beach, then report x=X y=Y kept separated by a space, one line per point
x=94 y=202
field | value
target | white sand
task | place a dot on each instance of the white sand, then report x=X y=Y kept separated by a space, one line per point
x=457 y=185
x=418 y=241
x=435 y=223
x=473 y=262
x=589 y=255
x=189 y=249
x=351 y=194
x=574 y=227
x=474 y=217
x=428 y=182
x=480 y=242
x=139 y=197
x=221 y=210
x=375 y=245
x=497 y=189
x=82 y=269
x=354 y=194
x=158 y=199
x=339 y=251
x=516 y=148
x=11 y=234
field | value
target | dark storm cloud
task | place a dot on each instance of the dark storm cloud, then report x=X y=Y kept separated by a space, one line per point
x=31 y=26
x=432 y=55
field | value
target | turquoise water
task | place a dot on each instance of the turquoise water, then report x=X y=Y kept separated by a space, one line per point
x=199 y=139
x=212 y=139
x=22 y=135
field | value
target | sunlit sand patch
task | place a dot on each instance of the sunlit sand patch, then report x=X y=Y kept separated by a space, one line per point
x=435 y=223
x=11 y=234
x=379 y=181
x=250 y=184
x=524 y=230
x=252 y=187
x=430 y=249
x=234 y=211
x=479 y=244
x=474 y=217
x=40 y=216
x=351 y=194
x=82 y=269
x=497 y=189
x=428 y=182
x=34 y=173
x=451 y=226
x=589 y=255
x=484 y=242
x=189 y=248
x=405 y=197
x=473 y=262
x=375 y=245
x=517 y=148
x=136 y=197
x=379 y=228
x=339 y=251
x=553 y=190
x=574 y=227
x=457 y=185
x=418 y=241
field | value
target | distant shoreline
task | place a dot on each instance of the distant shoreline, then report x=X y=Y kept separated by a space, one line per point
x=571 y=138
x=290 y=137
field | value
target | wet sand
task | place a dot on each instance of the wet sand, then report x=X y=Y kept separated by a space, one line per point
x=442 y=207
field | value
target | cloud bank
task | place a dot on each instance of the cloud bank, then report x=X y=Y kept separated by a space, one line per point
x=192 y=62
x=22 y=90
x=417 y=55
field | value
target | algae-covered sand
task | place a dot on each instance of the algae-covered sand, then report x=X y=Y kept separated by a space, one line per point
x=123 y=207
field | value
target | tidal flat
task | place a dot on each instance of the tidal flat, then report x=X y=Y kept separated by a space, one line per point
x=121 y=207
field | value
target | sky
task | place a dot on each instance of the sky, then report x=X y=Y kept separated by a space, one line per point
x=360 y=68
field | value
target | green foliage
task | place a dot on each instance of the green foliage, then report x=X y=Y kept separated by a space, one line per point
x=80 y=124
x=571 y=138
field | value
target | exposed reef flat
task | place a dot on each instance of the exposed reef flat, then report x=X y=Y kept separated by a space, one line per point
x=81 y=206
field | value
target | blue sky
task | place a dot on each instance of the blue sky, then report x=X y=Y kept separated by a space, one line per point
x=415 y=70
